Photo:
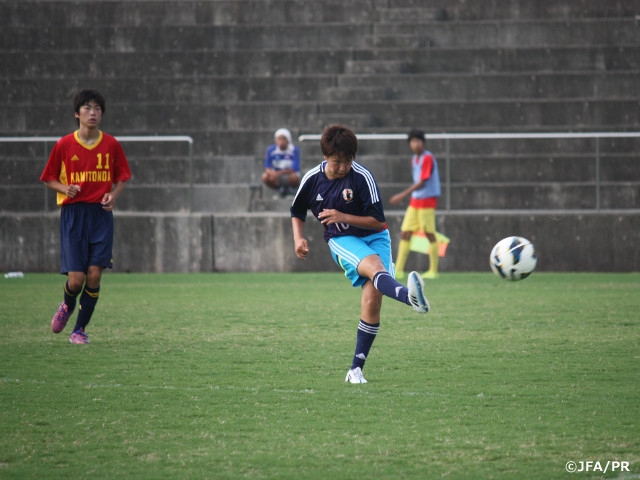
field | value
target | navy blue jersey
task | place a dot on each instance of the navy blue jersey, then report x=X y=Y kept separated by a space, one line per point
x=355 y=194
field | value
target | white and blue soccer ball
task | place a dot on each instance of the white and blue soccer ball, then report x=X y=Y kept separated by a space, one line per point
x=513 y=258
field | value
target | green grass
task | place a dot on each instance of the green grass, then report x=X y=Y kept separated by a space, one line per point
x=226 y=376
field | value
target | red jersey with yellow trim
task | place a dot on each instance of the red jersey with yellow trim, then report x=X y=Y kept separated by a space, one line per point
x=95 y=168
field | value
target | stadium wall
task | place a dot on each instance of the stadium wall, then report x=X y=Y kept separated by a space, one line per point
x=262 y=242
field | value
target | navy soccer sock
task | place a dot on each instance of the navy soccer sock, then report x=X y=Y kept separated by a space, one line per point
x=366 y=335
x=70 y=297
x=88 y=301
x=390 y=287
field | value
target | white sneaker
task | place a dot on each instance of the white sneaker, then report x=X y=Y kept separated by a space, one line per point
x=418 y=300
x=355 y=376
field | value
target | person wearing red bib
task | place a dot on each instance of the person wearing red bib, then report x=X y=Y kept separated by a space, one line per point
x=421 y=212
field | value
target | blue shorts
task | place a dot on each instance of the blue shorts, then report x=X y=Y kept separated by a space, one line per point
x=86 y=237
x=349 y=251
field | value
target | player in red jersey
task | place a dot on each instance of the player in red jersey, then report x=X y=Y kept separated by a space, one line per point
x=88 y=169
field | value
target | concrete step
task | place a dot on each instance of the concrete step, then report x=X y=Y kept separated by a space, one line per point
x=244 y=144
x=221 y=12
x=418 y=41
x=306 y=12
x=253 y=197
x=360 y=94
x=497 y=168
x=33 y=197
x=21 y=163
x=145 y=38
x=187 y=64
x=530 y=195
x=524 y=85
x=164 y=243
x=355 y=119
x=270 y=202
x=139 y=198
x=179 y=198
x=513 y=195
x=380 y=150
x=176 y=13
x=191 y=65
x=377 y=67
x=160 y=170
x=506 y=169
x=479 y=115
x=503 y=167
x=419 y=13
x=180 y=90
x=618 y=31
x=513 y=58
x=497 y=115
x=523 y=9
x=350 y=88
x=613 y=31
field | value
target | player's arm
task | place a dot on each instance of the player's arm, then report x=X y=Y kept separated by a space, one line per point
x=427 y=168
x=109 y=199
x=68 y=190
x=331 y=216
x=398 y=197
x=300 y=243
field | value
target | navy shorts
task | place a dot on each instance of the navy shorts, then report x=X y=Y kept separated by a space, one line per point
x=86 y=237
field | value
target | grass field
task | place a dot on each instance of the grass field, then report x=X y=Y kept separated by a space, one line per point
x=230 y=376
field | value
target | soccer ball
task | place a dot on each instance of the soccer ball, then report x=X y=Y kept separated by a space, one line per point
x=513 y=258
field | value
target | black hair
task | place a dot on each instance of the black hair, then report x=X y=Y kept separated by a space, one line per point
x=84 y=97
x=339 y=141
x=419 y=134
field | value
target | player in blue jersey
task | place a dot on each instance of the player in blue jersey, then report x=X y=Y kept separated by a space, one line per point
x=282 y=164
x=344 y=197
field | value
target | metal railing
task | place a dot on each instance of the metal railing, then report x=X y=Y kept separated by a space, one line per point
x=448 y=137
x=150 y=138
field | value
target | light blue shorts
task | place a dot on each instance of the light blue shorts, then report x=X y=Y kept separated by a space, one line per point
x=349 y=251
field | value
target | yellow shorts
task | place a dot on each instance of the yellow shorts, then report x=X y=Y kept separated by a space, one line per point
x=419 y=219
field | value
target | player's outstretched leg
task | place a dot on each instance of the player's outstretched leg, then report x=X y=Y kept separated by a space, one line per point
x=412 y=294
x=418 y=299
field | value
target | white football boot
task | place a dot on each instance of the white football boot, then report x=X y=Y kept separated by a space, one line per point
x=418 y=300
x=355 y=376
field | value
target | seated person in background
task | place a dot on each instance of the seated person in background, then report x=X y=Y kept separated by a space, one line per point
x=282 y=164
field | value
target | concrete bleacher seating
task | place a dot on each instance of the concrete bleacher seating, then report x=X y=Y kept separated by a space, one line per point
x=228 y=73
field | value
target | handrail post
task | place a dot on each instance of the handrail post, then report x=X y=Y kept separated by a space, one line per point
x=46 y=192
x=447 y=161
x=598 y=173
x=190 y=177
